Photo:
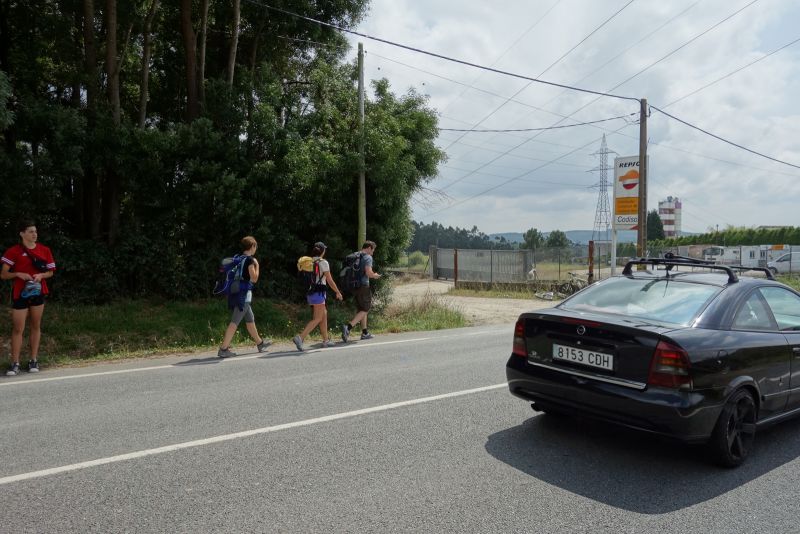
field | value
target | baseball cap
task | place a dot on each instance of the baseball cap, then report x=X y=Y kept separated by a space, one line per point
x=320 y=245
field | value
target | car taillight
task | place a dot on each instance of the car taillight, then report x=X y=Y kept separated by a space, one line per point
x=519 y=339
x=670 y=366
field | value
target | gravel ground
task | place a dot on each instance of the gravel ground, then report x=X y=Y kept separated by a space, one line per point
x=477 y=310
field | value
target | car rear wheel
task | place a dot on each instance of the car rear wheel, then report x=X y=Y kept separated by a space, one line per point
x=735 y=430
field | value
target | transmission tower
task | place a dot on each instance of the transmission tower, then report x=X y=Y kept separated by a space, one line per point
x=602 y=217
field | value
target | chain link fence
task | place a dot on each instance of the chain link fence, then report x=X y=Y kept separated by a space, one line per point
x=511 y=266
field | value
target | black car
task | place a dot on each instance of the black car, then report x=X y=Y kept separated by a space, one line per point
x=705 y=357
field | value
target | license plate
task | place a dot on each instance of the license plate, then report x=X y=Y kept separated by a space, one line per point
x=583 y=357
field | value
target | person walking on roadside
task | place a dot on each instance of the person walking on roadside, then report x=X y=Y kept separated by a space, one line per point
x=29 y=264
x=362 y=294
x=240 y=303
x=316 y=299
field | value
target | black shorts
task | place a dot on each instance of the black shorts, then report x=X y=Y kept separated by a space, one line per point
x=363 y=298
x=24 y=304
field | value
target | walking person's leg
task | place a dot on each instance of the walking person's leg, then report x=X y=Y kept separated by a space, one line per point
x=363 y=298
x=323 y=328
x=35 y=334
x=315 y=320
x=236 y=317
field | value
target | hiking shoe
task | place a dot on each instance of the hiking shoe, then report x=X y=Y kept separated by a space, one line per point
x=328 y=343
x=262 y=347
x=14 y=371
x=345 y=332
x=366 y=335
x=225 y=353
x=33 y=366
x=298 y=342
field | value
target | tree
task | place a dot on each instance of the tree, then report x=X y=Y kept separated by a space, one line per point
x=557 y=239
x=655 y=227
x=533 y=239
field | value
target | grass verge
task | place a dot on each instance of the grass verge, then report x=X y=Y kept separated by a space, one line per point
x=129 y=329
x=494 y=293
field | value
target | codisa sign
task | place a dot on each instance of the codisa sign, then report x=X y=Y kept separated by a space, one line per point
x=626 y=193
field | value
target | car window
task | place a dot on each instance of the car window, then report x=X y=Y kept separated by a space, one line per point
x=659 y=299
x=754 y=314
x=785 y=306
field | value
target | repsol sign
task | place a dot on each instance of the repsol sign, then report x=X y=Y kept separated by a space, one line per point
x=626 y=164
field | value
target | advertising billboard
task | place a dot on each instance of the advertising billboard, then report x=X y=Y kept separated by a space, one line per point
x=626 y=193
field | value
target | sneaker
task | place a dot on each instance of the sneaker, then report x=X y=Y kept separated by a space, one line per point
x=225 y=353
x=33 y=366
x=14 y=371
x=298 y=342
x=262 y=347
x=345 y=332
x=366 y=335
x=329 y=343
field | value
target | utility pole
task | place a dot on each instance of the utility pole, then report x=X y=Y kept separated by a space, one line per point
x=641 y=242
x=362 y=183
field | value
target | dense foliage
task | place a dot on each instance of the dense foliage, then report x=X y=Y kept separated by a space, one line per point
x=733 y=236
x=434 y=234
x=655 y=226
x=147 y=137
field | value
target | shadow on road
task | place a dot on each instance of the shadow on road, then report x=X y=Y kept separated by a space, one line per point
x=632 y=470
x=207 y=360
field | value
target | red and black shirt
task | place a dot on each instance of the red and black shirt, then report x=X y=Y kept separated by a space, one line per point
x=19 y=258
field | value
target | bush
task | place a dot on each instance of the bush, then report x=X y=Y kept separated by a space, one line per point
x=417 y=258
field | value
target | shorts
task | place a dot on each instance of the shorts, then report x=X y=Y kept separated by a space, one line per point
x=316 y=298
x=245 y=313
x=24 y=304
x=363 y=298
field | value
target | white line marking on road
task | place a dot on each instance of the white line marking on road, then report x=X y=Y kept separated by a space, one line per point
x=238 y=435
x=12 y=382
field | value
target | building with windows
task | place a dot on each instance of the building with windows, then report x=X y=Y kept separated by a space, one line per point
x=670 y=212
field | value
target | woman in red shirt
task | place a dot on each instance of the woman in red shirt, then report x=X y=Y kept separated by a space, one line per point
x=29 y=264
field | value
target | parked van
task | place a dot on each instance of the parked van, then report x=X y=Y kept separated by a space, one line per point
x=788 y=263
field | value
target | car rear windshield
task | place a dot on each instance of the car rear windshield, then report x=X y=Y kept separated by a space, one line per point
x=661 y=300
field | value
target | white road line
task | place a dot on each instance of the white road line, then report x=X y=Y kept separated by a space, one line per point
x=12 y=382
x=237 y=435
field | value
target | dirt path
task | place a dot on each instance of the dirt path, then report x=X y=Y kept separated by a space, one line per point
x=477 y=310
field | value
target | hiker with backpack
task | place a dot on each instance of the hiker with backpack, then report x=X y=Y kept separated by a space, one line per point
x=358 y=272
x=28 y=264
x=241 y=274
x=316 y=281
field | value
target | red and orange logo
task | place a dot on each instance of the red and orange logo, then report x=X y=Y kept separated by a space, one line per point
x=630 y=179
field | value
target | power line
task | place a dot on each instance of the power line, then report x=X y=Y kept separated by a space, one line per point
x=554 y=63
x=693 y=39
x=595 y=100
x=440 y=56
x=526 y=32
x=539 y=129
x=733 y=72
x=690 y=125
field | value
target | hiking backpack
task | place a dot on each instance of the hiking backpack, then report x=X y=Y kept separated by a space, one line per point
x=309 y=275
x=229 y=276
x=353 y=271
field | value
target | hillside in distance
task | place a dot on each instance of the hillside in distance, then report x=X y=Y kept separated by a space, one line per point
x=579 y=237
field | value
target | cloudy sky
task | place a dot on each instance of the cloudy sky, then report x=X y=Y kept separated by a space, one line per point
x=713 y=63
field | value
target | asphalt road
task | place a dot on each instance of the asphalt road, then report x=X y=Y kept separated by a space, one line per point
x=404 y=433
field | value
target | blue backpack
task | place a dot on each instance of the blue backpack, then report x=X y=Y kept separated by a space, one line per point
x=230 y=280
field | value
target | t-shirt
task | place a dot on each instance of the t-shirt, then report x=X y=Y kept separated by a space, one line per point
x=366 y=261
x=19 y=259
x=324 y=267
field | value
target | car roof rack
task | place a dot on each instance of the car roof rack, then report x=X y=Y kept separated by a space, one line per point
x=671 y=260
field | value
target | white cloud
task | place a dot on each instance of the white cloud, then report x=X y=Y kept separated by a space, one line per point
x=756 y=107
